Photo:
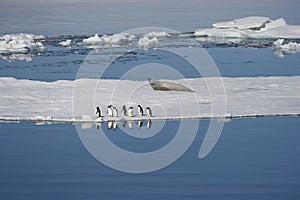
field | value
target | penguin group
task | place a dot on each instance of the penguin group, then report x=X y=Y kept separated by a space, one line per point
x=112 y=111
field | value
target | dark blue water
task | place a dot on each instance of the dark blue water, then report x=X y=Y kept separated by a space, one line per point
x=253 y=159
x=61 y=63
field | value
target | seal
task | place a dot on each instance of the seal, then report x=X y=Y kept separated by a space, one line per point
x=167 y=86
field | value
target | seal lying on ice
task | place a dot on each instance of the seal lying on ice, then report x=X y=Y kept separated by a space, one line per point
x=167 y=86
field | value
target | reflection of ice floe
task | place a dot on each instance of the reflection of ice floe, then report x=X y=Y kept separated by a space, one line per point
x=251 y=27
x=17 y=57
x=281 y=49
x=108 y=40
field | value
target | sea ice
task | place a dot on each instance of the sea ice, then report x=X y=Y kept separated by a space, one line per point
x=66 y=43
x=289 y=48
x=157 y=34
x=108 y=40
x=251 y=27
x=20 y=43
x=253 y=22
x=53 y=101
x=146 y=42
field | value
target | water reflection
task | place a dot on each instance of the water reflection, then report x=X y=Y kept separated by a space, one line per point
x=113 y=125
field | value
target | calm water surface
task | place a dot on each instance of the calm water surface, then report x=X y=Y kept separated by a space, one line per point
x=253 y=159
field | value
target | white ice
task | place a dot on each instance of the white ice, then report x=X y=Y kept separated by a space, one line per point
x=108 y=40
x=20 y=43
x=146 y=42
x=288 y=48
x=251 y=27
x=159 y=34
x=52 y=101
x=243 y=23
x=66 y=43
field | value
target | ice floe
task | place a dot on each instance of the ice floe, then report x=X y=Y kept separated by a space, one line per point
x=20 y=43
x=289 y=48
x=251 y=27
x=146 y=42
x=107 y=40
x=52 y=101
x=66 y=43
x=253 y=22
x=160 y=34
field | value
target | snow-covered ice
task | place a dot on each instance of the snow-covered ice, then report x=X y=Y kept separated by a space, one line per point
x=107 y=40
x=66 y=43
x=288 y=48
x=157 y=34
x=146 y=42
x=52 y=101
x=251 y=27
x=252 y=22
x=20 y=43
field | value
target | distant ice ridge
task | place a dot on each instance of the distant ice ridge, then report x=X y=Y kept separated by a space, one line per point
x=52 y=101
x=20 y=43
x=251 y=27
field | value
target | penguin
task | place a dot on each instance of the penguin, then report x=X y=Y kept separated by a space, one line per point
x=115 y=112
x=130 y=112
x=109 y=111
x=149 y=123
x=98 y=112
x=149 y=112
x=140 y=110
x=123 y=110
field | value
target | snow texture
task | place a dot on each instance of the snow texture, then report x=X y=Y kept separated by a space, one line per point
x=52 y=101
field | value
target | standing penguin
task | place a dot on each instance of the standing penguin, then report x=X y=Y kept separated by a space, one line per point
x=130 y=112
x=123 y=110
x=109 y=111
x=140 y=110
x=98 y=112
x=149 y=112
x=115 y=112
